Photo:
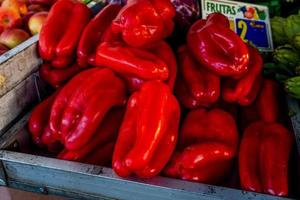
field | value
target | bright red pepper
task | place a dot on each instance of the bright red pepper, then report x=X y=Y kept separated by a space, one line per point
x=76 y=114
x=93 y=33
x=148 y=134
x=208 y=145
x=245 y=90
x=143 y=22
x=197 y=86
x=57 y=77
x=61 y=31
x=131 y=62
x=164 y=52
x=264 y=157
x=266 y=106
x=39 y=119
x=217 y=47
x=106 y=133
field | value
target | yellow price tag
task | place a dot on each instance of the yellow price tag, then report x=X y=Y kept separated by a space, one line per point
x=243 y=26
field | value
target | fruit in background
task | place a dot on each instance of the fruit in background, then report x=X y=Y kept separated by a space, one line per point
x=287 y=56
x=296 y=41
x=278 y=33
x=292 y=26
x=13 y=37
x=9 y=19
x=36 y=22
x=37 y=8
x=3 y=49
x=11 y=5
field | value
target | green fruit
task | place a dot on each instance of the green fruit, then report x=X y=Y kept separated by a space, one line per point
x=287 y=56
x=292 y=26
x=296 y=41
x=292 y=86
x=279 y=37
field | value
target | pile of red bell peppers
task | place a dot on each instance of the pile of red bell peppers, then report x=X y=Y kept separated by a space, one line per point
x=125 y=97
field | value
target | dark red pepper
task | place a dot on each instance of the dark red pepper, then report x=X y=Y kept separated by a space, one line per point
x=77 y=114
x=197 y=86
x=57 y=77
x=264 y=157
x=208 y=145
x=217 y=47
x=143 y=22
x=148 y=134
x=106 y=133
x=245 y=89
x=93 y=33
x=61 y=31
x=131 y=62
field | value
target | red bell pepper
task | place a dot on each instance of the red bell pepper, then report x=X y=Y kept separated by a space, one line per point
x=217 y=47
x=82 y=105
x=143 y=22
x=39 y=119
x=197 y=86
x=164 y=52
x=93 y=33
x=61 y=31
x=266 y=106
x=264 y=157
x=245 y=90
x=208 y=145
x=131 y=62
x=148 y=134
x=106 y=133
x=57 y=77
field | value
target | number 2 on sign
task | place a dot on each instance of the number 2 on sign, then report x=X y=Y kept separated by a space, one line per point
x=242 y=25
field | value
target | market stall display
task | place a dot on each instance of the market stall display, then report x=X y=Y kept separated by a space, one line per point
x=130 y=97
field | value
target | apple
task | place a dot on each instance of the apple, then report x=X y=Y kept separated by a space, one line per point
x=3 y=49
x=13 y=37
x=36 y=22
x=9 y=19
x=12 y=5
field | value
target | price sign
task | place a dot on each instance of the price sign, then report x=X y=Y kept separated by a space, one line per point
x=251 y=22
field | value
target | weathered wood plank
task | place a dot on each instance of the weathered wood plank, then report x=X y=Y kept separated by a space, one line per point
x=17 y=100
x=17 y=64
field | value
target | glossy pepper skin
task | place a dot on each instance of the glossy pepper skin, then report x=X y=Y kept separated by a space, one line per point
x=265 y=107
x=143 y=22
x=197 y=86
x=39 y=119
x=244 y=90
x=61 y=31
x=261 y=167
x=217 y=47
x=148 y=134
x=106 y=133
x=209 y=135
x=57 y=77
x=93 y=33
x=131 y=62
x=82 y=105
x=164 y=52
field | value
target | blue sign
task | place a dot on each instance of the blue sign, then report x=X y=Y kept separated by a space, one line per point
x=254 y=31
